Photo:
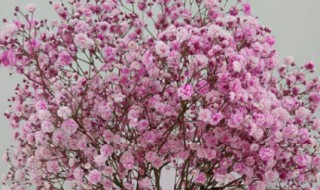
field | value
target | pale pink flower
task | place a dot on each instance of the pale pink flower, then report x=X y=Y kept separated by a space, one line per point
x=19 y=175
x=185 y=91
x=81 y=27
x=64 y=59
x=78 y=173
x=100 y=160
x=216 y=118
x=236 y=66
x=145 y=183
x=94 y=177
x=271 y=176
x=201 y=60
x=106 y=150
x=127 y=160
x=201 y=178
x=266 y=154
x=302 y=160
x=118 y=97
x=64 y=112
x=31 y=7
x=316 y=124
x=205 y=115
x=53 y=166
x=43 y=114
x=41 y=105
x=8 y=58
x=291 y=131
x=288 y=60
x=47 y=126
x=162 y=49
x=302 y=113
x=69 y=126
x=83 y=41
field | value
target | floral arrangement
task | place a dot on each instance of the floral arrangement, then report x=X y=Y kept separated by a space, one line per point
x=117 y=92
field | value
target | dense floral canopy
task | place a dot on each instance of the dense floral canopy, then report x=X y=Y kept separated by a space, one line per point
x=117 y=92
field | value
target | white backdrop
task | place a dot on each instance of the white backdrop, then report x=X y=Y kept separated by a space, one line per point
x=295 y=24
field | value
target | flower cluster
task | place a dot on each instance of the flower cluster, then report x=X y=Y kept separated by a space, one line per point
x=109 y=101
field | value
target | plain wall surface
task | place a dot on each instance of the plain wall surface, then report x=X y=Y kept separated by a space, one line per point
x=294 y=23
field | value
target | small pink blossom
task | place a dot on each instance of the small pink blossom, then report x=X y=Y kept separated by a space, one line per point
x=127 y=160
x=291 y=131
x=53 y=167
x=64 y=59
x=47 y=126
x=205 y=115
x=69 y=126
x=185 y=91
x=302 y=160
x=216 y=118
x=106 y=150
x=266 y=154
x=8 y=58
x=94 y=177
x=162 y=49
x=31 y=7
x=83 y=41
x=236 y=66
x=19 y=175
x=302 y=113
x=145 y=183
x=64 y=112
x=246 y=8
x=201 y=178
x=316 y=124
x=78 y=174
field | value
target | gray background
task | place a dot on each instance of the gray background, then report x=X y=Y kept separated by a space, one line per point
x=295 y=24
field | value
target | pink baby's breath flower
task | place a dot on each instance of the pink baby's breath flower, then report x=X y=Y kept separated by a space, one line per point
x=8 y=58
x=82 y=41
x=106 y=150
x=162 y=49
x=316 y=124
x=94 y=177
x=69 y=126
x=236 y=66
x=266 y=154
x=127 y=160
x=145 y=183
x=201 y=178
x=64 y=58
x=78 y=174
x=246 y=8
x=19 y=175
x=64 y=112
x=216 y=118
x=289 y=60
x=53 y=167
x=205 y=115
x=291 y=131
x=185 y=92
x=302 y=160
x=31 y=7
x=47 y=126
x=41 y=105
